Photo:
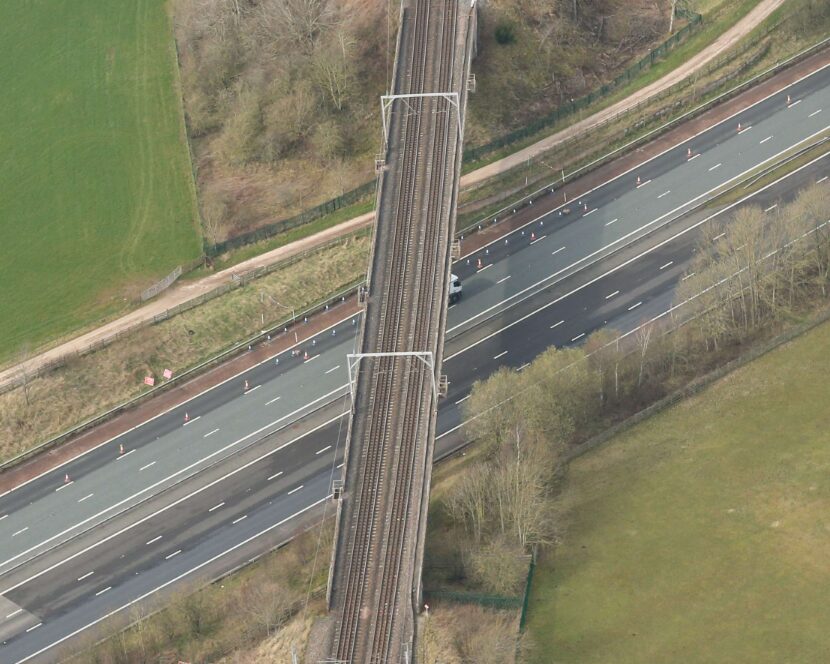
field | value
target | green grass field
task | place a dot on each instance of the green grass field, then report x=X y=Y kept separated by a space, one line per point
x=96 y=193
x=703 y=534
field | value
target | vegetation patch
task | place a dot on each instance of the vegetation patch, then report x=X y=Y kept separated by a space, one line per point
x=98 y=199
x=702 y=533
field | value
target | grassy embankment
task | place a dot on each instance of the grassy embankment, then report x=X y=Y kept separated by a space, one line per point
x=98 y=198
x=701 y=534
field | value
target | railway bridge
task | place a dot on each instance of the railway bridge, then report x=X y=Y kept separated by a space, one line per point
x=374 y=589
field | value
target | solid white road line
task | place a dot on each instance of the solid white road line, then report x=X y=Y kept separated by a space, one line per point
x=34 y=627
x=556 y=324
x=627 y=262
x=765 y=140
x=634 y=306
x=172 y=408
x=503 y=279
x=663 y=267
x=268 y=403
x=242 y=518
x=462 y=399
x=275 y=475
x=191 y=420
x=655 y=132
x=101 y=592
x=718 y=165
x=665 y=193
x=578 y=336
x=609 y=296
x=176 y=553
x=318 y=452
x=216 y=507
x=86 y=576
x=621 y=241
x=333 y=369
x=172 y=581
x=614 y=220
x=295 y=490
x=180 y=472
x=155 y=539
x=85 y=497
x=502 y=354
x=20 y=532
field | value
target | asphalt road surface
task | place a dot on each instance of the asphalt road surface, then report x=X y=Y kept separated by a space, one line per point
x=224 y=477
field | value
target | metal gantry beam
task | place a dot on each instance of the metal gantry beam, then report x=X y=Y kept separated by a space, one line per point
x=427 y=357
x=386 y=102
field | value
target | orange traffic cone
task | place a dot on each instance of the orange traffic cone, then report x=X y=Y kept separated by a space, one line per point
x=246 y=385
x=638 y=180
x=66 y=479
x=688 y=153
x=739 y=127
x=788 y=100
x=186 y=418
x=121 y=448
x=478 y=264
x=532 y=237
x=305 y=356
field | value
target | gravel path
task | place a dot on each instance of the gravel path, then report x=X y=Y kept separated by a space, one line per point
x=187 y=291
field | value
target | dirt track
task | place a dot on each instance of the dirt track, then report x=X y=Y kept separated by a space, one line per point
x=185 y=292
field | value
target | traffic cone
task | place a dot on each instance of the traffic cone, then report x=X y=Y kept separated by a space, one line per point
x=121 y=448
x=478 y=264
x=246 y=385
x=186 y=418
x=585 y=208
x=739 y=127
x=532 y=237
x=66 y=479
x=305 y=356
x=788 y=100
x=688 y=153
x=638 y=180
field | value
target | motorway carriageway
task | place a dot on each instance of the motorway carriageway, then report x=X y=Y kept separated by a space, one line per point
x=515 y=281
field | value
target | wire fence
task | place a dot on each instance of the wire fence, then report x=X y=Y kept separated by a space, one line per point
x=273 y=330
x=650 y=115
x=365 y=191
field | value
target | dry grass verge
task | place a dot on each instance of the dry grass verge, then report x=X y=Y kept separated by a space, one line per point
x=94 y=383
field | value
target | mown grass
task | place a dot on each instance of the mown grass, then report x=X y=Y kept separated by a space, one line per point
x=97 y=193
x=701 y=535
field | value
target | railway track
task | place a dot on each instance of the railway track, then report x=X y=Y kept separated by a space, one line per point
x=394 y=404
